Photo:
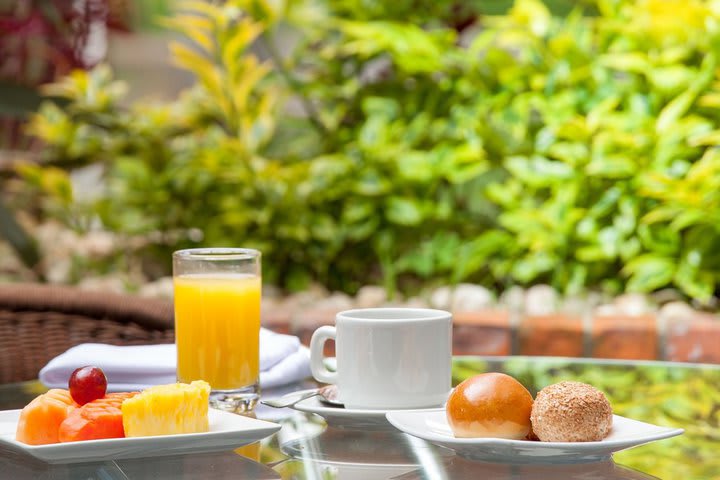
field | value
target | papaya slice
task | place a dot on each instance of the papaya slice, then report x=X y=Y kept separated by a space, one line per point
x=99 y=419
x=41 y=418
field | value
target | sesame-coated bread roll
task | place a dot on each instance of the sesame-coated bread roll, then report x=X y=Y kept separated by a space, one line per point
x=571 y=412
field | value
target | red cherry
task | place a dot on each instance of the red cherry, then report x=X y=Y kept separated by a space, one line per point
x=87 y=384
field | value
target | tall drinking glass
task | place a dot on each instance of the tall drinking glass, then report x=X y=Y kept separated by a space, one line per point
x=217 y=323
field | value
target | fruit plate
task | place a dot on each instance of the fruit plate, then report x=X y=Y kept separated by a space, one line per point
x=227 y=431
x=431 y=425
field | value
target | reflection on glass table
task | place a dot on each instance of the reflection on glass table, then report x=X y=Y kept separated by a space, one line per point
x=345 y=454
x=666 y=394
x=357 y=454
x=225 y=465
x=458 y=468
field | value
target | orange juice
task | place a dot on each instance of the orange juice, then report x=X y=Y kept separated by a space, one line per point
x=251 y=451
x=217 y=328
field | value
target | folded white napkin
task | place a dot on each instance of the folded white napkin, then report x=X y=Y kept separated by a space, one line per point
x=283 y=360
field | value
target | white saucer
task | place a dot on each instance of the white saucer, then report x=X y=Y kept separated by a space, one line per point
x=342 y=417
x=431 y=425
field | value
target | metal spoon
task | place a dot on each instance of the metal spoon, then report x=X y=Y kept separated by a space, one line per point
x=327 y=394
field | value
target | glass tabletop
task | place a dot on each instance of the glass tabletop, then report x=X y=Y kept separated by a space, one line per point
x=306 y=447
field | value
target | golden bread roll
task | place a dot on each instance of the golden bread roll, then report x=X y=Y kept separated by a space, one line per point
x=490 y=405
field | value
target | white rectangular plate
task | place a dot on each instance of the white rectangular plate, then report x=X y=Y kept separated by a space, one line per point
x=227 y=431
x=431 y=425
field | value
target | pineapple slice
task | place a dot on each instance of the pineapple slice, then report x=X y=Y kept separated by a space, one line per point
x=167 y=409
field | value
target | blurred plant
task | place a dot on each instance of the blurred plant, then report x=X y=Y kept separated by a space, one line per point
x=40 y=41
x=399 y=143
x=140 y=15
x=171 y=166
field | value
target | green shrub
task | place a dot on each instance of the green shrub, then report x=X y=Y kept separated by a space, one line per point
x=392 y=144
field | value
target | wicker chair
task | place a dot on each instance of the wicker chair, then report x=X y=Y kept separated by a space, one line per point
x=39 y=322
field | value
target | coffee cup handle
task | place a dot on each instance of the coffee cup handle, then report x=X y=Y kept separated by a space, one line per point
x=317 y=344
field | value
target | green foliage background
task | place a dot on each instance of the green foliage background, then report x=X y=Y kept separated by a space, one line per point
x=397 y=144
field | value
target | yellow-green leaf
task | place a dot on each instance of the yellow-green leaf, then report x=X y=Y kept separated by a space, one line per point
x=196 y=28
x=245 y=32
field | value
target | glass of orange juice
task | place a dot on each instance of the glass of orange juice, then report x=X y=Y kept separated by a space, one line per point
x=217 y=323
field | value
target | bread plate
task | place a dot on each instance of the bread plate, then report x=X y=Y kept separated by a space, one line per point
x=431 y=425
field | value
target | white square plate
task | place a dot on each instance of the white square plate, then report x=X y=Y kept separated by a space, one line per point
x=227 y=431
x=431 y=425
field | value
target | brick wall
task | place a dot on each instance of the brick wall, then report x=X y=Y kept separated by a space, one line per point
x=673 y=334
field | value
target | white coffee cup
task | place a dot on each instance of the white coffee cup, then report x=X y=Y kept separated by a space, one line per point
x=387 y=358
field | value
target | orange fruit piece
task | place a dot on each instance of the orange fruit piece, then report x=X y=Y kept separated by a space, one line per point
x=101 y=418
x=41 y=418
